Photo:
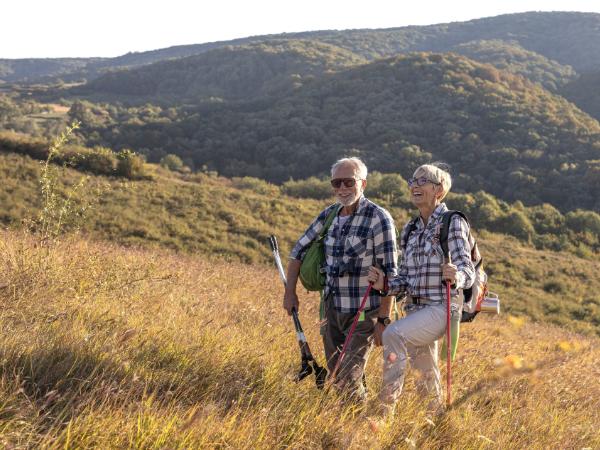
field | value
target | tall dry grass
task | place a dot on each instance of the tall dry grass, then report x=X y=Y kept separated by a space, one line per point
x=103 y=347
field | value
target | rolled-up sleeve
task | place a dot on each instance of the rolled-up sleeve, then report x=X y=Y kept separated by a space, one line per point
x=397 y=284
x=385 y=247
x=460 y=252
x=311 y=233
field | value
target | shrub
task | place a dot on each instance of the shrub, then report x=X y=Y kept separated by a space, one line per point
x=312 y=187
x=516 y=224
x=554 y=287
x=130 y=165
x=257 y=185
x=172 y=162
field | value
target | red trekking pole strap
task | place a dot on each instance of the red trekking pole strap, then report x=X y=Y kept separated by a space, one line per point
x=349 y=337
x=448 y=348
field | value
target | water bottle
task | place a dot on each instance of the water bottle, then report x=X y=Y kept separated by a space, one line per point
x=455 y=315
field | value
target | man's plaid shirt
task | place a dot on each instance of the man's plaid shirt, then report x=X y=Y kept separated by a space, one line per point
x=420 y=271
x=367 y=238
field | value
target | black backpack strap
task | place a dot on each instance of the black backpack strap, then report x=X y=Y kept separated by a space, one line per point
x=445 y=229
x=412 y=226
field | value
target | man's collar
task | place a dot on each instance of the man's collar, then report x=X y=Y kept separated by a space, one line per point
x=362 y=204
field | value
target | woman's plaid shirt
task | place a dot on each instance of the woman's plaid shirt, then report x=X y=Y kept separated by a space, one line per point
x=368 y=237
x=420 y=271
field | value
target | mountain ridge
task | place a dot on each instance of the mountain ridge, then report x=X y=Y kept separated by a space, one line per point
x=583 y=56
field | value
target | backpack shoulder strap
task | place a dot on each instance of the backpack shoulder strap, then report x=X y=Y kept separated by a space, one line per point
x=412 y=226
x=445 y=229
x=334 y=212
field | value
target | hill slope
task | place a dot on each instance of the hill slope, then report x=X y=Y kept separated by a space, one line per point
x=110 y=348
x=241 y=72
x=213 y=217
x=513 y=58
x=274 y=67
x=585 y=93
x=501 y=133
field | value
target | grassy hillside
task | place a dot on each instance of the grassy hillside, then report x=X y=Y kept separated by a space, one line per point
x=215 y=217
x=103 y=347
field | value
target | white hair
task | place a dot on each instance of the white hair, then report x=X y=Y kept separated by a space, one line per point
x=436 y=174
x=359 y=167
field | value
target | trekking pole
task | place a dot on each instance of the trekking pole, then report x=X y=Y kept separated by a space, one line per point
x=349 y=337
x=307 y=357
x=448 y=341
x=448 y=349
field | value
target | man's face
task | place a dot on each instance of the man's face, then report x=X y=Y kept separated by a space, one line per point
x=347 y=195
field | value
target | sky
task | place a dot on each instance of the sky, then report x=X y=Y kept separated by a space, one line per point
x=69 y=28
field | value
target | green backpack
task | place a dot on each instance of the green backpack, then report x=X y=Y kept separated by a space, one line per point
x=312 y=274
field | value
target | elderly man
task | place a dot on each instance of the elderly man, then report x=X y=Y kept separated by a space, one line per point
x=361 y=235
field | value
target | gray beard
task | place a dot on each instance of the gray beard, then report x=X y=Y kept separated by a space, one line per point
x=348 y=202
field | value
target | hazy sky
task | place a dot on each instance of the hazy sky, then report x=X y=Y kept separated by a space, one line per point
x=57 y=28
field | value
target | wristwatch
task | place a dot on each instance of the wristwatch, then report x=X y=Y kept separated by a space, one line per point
x=384 y=321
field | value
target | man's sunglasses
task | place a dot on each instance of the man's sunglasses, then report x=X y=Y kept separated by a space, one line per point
x=421 y=181
x=348 y=182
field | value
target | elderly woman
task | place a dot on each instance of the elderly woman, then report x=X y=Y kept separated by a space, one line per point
x=421 y=275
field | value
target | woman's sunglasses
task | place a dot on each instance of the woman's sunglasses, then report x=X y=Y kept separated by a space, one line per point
x=348 y=182
x=421 y=181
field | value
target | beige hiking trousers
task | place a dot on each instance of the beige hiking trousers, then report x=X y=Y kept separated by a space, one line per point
x=414 y=338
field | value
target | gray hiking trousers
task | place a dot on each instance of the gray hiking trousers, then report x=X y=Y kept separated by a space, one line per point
x=414 y=338
x=334 y=330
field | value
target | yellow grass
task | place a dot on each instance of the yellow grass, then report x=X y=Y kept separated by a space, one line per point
x=104 y=347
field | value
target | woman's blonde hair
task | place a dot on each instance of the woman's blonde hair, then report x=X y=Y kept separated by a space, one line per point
x=438 y=173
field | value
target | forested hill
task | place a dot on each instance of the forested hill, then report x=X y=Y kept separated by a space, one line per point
x=273 y=67
x=568 y=38
x=585 y=93
x=513 y=58
x=227 y=73
x=501 y=133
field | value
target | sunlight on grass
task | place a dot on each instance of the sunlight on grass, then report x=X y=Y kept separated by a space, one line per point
x=104 y=347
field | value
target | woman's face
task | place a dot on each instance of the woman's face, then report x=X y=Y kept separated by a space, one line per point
x=427 y=195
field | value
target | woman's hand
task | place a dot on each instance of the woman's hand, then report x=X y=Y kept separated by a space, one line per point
x=449 y=271
x=376 y=276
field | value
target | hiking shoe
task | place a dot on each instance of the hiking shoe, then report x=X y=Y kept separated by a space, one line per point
x=385 y=411
x=435 y=409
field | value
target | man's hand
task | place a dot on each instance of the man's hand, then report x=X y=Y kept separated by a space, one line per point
x=378 y=334
x=376 y=276
x=449 y=271
x=290 y=298
x=290 y=301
